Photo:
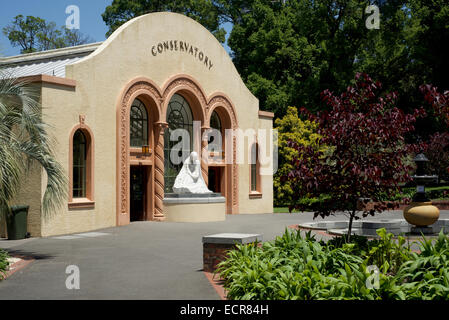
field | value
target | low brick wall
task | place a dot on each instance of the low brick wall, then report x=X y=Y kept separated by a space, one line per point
x=213 y=254
x=215 y=247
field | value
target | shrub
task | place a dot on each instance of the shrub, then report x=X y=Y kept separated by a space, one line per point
x=426 y=275
x=408 y=193
x=303 y=132
x=3 y=263
x=297 y=267
x=291 y=267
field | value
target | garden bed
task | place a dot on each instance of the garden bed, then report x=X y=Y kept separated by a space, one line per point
x=297 y=267
x=12 y=264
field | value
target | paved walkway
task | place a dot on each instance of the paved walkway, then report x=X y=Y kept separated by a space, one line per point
x=144 y=260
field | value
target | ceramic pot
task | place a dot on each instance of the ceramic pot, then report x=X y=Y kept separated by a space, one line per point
x=421 y=214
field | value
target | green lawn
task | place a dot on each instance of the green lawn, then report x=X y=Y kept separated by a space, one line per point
x=282 y=210
x=408 y=190
x=430 y=188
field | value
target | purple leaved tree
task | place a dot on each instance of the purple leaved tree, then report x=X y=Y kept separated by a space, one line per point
x=367 y=156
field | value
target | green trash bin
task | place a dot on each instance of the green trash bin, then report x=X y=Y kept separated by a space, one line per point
x=16 y=222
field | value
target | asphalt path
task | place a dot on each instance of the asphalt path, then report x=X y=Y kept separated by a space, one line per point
x=144 y=260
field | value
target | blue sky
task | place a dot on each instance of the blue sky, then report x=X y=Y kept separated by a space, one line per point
x=91 y=22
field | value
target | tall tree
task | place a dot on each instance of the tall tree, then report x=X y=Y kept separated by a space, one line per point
x=35 y=34
x=49 y=37
x=74 y=37
x=432 y=37
x=23 y=32
x=204 y=11
x=366 y=156
x=406 y=52
x=288 y=52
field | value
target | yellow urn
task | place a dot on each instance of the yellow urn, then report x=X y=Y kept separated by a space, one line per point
x=421 y=214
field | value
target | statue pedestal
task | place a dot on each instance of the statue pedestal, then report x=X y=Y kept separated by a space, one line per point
x=194 y=207
x=421 y=230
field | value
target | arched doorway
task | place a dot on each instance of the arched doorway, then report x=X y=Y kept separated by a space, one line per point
x=222 y=166
x=141 y=195
x=178 y=138
x=182 y=90
x=137 y=136
x=215 y=143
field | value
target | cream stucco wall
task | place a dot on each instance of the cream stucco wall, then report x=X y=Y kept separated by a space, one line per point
x=190 y=213
x=30 y=194
x=100 y=79
x=61 y=109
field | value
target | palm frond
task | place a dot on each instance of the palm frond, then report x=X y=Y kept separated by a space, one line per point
x=24 y=140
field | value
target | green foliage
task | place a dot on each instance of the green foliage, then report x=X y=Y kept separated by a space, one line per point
x=433 y=193
x=303 y=132
x=292 y=267
x=386 y=253
x=288 y=53
x=437 y=193
x=431 y=32
x=35 y=34
x=299 y=267
x=23 y=32
x=386 y=53
x=3 y=263
x=426 y=275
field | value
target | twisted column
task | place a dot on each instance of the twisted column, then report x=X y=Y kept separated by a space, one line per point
x=204 y=156
x=159 y=172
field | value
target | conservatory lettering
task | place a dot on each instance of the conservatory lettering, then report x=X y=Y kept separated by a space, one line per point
x=182 y=46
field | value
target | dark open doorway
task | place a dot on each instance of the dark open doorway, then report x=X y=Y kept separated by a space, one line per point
x=138 y=193
x=216 y=179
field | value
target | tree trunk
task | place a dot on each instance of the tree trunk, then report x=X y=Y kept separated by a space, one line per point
x=351 y=219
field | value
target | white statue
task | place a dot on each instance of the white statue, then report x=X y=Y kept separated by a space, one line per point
x=190 y=179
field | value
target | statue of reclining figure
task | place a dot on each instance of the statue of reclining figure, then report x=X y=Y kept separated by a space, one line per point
x=190 y=180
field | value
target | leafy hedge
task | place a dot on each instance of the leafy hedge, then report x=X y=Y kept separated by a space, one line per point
x=406 y=193
x=3 y=263
x=409 y=192
x=296 y=267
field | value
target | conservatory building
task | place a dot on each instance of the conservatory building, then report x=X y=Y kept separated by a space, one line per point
x=127 y=113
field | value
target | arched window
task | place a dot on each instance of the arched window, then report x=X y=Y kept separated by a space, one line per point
x=138 y=125
x=215 y=143
x=179 y=116
x=79 y=164
x=254 y=170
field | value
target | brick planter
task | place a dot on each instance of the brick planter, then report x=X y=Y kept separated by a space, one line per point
x=216 y=246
